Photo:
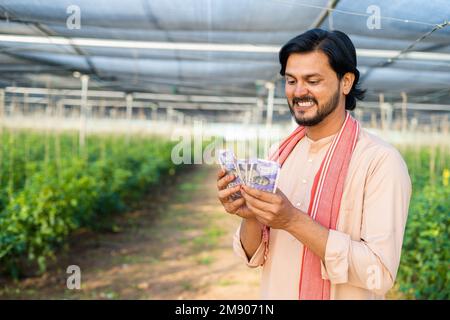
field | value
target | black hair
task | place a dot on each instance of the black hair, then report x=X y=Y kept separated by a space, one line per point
x=340 y=52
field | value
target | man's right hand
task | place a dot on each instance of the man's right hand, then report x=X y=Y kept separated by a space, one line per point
x=231 y=206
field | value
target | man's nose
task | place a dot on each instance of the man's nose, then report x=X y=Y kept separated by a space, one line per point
x=300 y=90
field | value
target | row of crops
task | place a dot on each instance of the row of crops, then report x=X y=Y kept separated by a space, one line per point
x=425 y=265
x=49 y=187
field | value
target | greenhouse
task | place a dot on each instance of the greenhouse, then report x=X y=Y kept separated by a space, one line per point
x=112 y=115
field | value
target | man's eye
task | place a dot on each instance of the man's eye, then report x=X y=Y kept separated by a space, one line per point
x=313 y=81
x=290 y=82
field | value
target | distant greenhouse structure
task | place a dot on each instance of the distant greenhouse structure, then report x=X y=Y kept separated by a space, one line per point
x=214 y=61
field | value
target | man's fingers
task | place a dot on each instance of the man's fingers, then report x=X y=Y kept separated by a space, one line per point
x=220 y=173
x=265 y=206
x=236 y=204
x=256 y=211
x=222 y=183
x=244 y=212
x=225 y=193
x=261 y=195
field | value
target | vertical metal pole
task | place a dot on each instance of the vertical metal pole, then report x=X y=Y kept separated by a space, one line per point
x=180 y=116
x=83 y=109
x=169 y=114
x=13 y=104
x=129 y=113
x=142 y=113
x=60 y=109
x=2 y=106
x=102 y=111
x=48 y=107
x=373 y=120
x=129 y=99
x=247 y=117
x=389 y=115
x=404 y=114
x=270 y=97
x=155 y=113
x=382 y=112
x=259 y=110
x=25 y=104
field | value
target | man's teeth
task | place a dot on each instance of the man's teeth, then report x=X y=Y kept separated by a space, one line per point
x=305 y=103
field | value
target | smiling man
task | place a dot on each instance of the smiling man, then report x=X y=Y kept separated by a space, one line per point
x=334 y=228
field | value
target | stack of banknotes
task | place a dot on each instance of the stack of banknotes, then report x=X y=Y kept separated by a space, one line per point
x=256 y=173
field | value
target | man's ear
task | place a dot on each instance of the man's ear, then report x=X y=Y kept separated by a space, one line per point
x=347 y=82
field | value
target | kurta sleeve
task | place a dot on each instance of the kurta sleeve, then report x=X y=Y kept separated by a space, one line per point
x=258 y=257
x=372 y=261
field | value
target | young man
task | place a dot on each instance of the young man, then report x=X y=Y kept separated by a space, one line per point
x=334 y=228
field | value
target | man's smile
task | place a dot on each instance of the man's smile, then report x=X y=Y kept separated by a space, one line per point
x=303 y=106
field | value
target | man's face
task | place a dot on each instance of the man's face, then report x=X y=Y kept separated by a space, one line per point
x=312 y=87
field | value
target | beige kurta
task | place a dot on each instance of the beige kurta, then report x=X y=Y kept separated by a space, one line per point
x=363 y=253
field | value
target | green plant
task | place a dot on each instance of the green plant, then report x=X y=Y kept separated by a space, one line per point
x=52 y=191
x=424 y=268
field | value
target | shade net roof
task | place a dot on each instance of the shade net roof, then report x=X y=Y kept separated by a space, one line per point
x=237 y=42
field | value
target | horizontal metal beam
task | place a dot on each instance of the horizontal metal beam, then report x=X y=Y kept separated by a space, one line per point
x=65 y=92
x=210 y=106
x=409 y=106
x=193 y=98
x=139 y=104
x=127 y=44
x=117 y=98
x=423 y=106
x=136 y=95
x=193 y=46
x=162 y=105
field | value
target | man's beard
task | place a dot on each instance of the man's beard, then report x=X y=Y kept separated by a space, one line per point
x=322 y=111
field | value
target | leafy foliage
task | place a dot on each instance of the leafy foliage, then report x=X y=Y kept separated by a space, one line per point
x=424 y=269
x=49 y=189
